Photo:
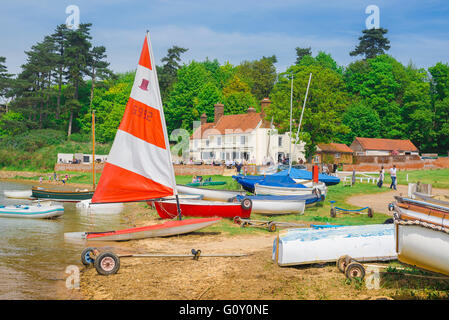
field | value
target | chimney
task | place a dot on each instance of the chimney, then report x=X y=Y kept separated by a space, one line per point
x=219 y=111
x=264 y=103
x=251 y=110
x=203 y=118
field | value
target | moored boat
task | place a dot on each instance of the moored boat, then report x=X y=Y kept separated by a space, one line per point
x=18 y=194
x=441 y=200
x=201 y=208
x=319 y=189
x=209 y=194
x=362 y=243
x=422 y=240
x=61 y=195
x=31 y=211
x=166 y=229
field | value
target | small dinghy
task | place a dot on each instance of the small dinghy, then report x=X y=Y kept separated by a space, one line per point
x=18 y=194
x=306 y=189
x=362 y=243
x=209 y=194
x=32 y=211
x=170 y=228
x=201 y=208
x=112 y=208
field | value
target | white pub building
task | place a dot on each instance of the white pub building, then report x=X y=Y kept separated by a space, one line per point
x=244 y=138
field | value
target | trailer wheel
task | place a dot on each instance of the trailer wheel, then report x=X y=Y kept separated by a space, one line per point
x=237 y=220
x=333 y=212
x=389 y=221
x=107 y=263
x=86 y=258
x=370 y=212
x=343 y=262
x=355 y=270
x=246 y=204
x=272 y=227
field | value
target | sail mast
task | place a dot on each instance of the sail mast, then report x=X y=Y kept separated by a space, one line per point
x=291 y=112
x=93 y=149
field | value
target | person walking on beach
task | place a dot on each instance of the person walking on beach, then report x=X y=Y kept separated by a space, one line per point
x=381 y=177
x=393 y=177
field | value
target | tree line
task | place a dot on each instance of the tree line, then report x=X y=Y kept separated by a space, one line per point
x=376 y=96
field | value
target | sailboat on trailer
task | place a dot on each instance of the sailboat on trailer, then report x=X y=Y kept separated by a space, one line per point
x=139 y=165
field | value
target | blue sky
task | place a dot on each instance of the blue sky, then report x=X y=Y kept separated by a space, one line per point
x=232 y=30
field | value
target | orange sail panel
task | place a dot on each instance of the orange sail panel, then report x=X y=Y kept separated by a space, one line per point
x=139 y=164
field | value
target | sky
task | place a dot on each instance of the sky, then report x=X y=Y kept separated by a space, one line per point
x=232 y=30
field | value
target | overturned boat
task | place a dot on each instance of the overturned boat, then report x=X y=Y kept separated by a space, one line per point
x=208 y=194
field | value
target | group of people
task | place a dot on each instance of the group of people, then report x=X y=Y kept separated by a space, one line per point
x=392 y=175
x=55 y=177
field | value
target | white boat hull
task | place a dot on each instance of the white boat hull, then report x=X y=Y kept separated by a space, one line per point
x=363 y=243
x=423 y=247
x=284 y=191
x=275 y=207
x=31 y=212
x=18 y=194
x=112 y=208
x=208 y=194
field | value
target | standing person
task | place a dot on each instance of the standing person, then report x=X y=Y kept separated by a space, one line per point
x=393 y=177
x=381 y=177
x=40 y=180
x=238 y=167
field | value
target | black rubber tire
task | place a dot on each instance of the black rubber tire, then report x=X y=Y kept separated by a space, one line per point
x=237 y=220
x=370 y=212
x=107 y=263
x=85 y=259
x=355 y=270
x=333 y=212
x=246 y=204
x=272 y=227
x=343 y=262
x=389 y=221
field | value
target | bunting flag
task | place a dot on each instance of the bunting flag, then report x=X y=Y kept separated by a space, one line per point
x=139 y=165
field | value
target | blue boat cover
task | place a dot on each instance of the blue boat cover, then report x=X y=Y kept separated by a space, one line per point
x=307 y=175
x=248 y=182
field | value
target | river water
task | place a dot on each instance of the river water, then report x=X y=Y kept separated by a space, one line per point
x=33 y=253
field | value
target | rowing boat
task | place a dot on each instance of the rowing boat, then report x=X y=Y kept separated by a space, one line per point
x=201 y=208
x=166 y=229
x=209 y=194
x=362 y=243
x=275 y=205
x=61 y=195
x=319 y=188
x=31 y=211
x=18 y=194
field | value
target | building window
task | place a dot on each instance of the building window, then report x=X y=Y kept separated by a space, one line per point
x=196 y=143
x=235 y=155
x=218 y=141
x=242 y=139
x=337 y=155
x=207 y=142
x=234 y=140
x=280 y=142
x=317 y=159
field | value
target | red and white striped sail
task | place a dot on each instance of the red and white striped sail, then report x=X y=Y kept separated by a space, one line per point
x=139 y=165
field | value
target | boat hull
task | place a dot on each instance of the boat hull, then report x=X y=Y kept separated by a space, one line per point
x=31 y=212
x=206 y=183
x=423 y=247
x=18 y=194
x=201 y=208
x=286 y=191
x=166 y=229
x=208 y=194
x=363 y=243
x=268 y=207
x=64 y=196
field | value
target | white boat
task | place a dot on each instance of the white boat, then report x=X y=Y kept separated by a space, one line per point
x=112 y=208
x=308 y=246
x=422 y=240
x=286 y=191
x=31 y=211
x=209 y=194
x=277 y=207
x=18 y=194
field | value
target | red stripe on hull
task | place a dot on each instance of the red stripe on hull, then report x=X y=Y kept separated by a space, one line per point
x=143 y=122
x=168 y=210
x=118 y=183
x=165 y=225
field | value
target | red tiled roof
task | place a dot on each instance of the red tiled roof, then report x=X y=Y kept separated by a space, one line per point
x=335 y=147
x=386 y=144
x=236 y=122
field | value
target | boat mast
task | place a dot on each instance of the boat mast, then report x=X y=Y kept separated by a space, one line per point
x=302 y=113
x=93 y=149
x=291 y=111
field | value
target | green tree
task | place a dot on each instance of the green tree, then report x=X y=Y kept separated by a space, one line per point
x=301 y=53
x=440 y=97
x=238 y=97
x=260 y=75
x=5 y=79
x=97 y=68
x=167 y=73
x=363 y=122
x=372 y=43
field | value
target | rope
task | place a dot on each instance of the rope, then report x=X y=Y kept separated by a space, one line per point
x=398 y=220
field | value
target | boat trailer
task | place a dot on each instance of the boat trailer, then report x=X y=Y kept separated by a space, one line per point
x=107 y=263
x=335 y=210
x=269 y=225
